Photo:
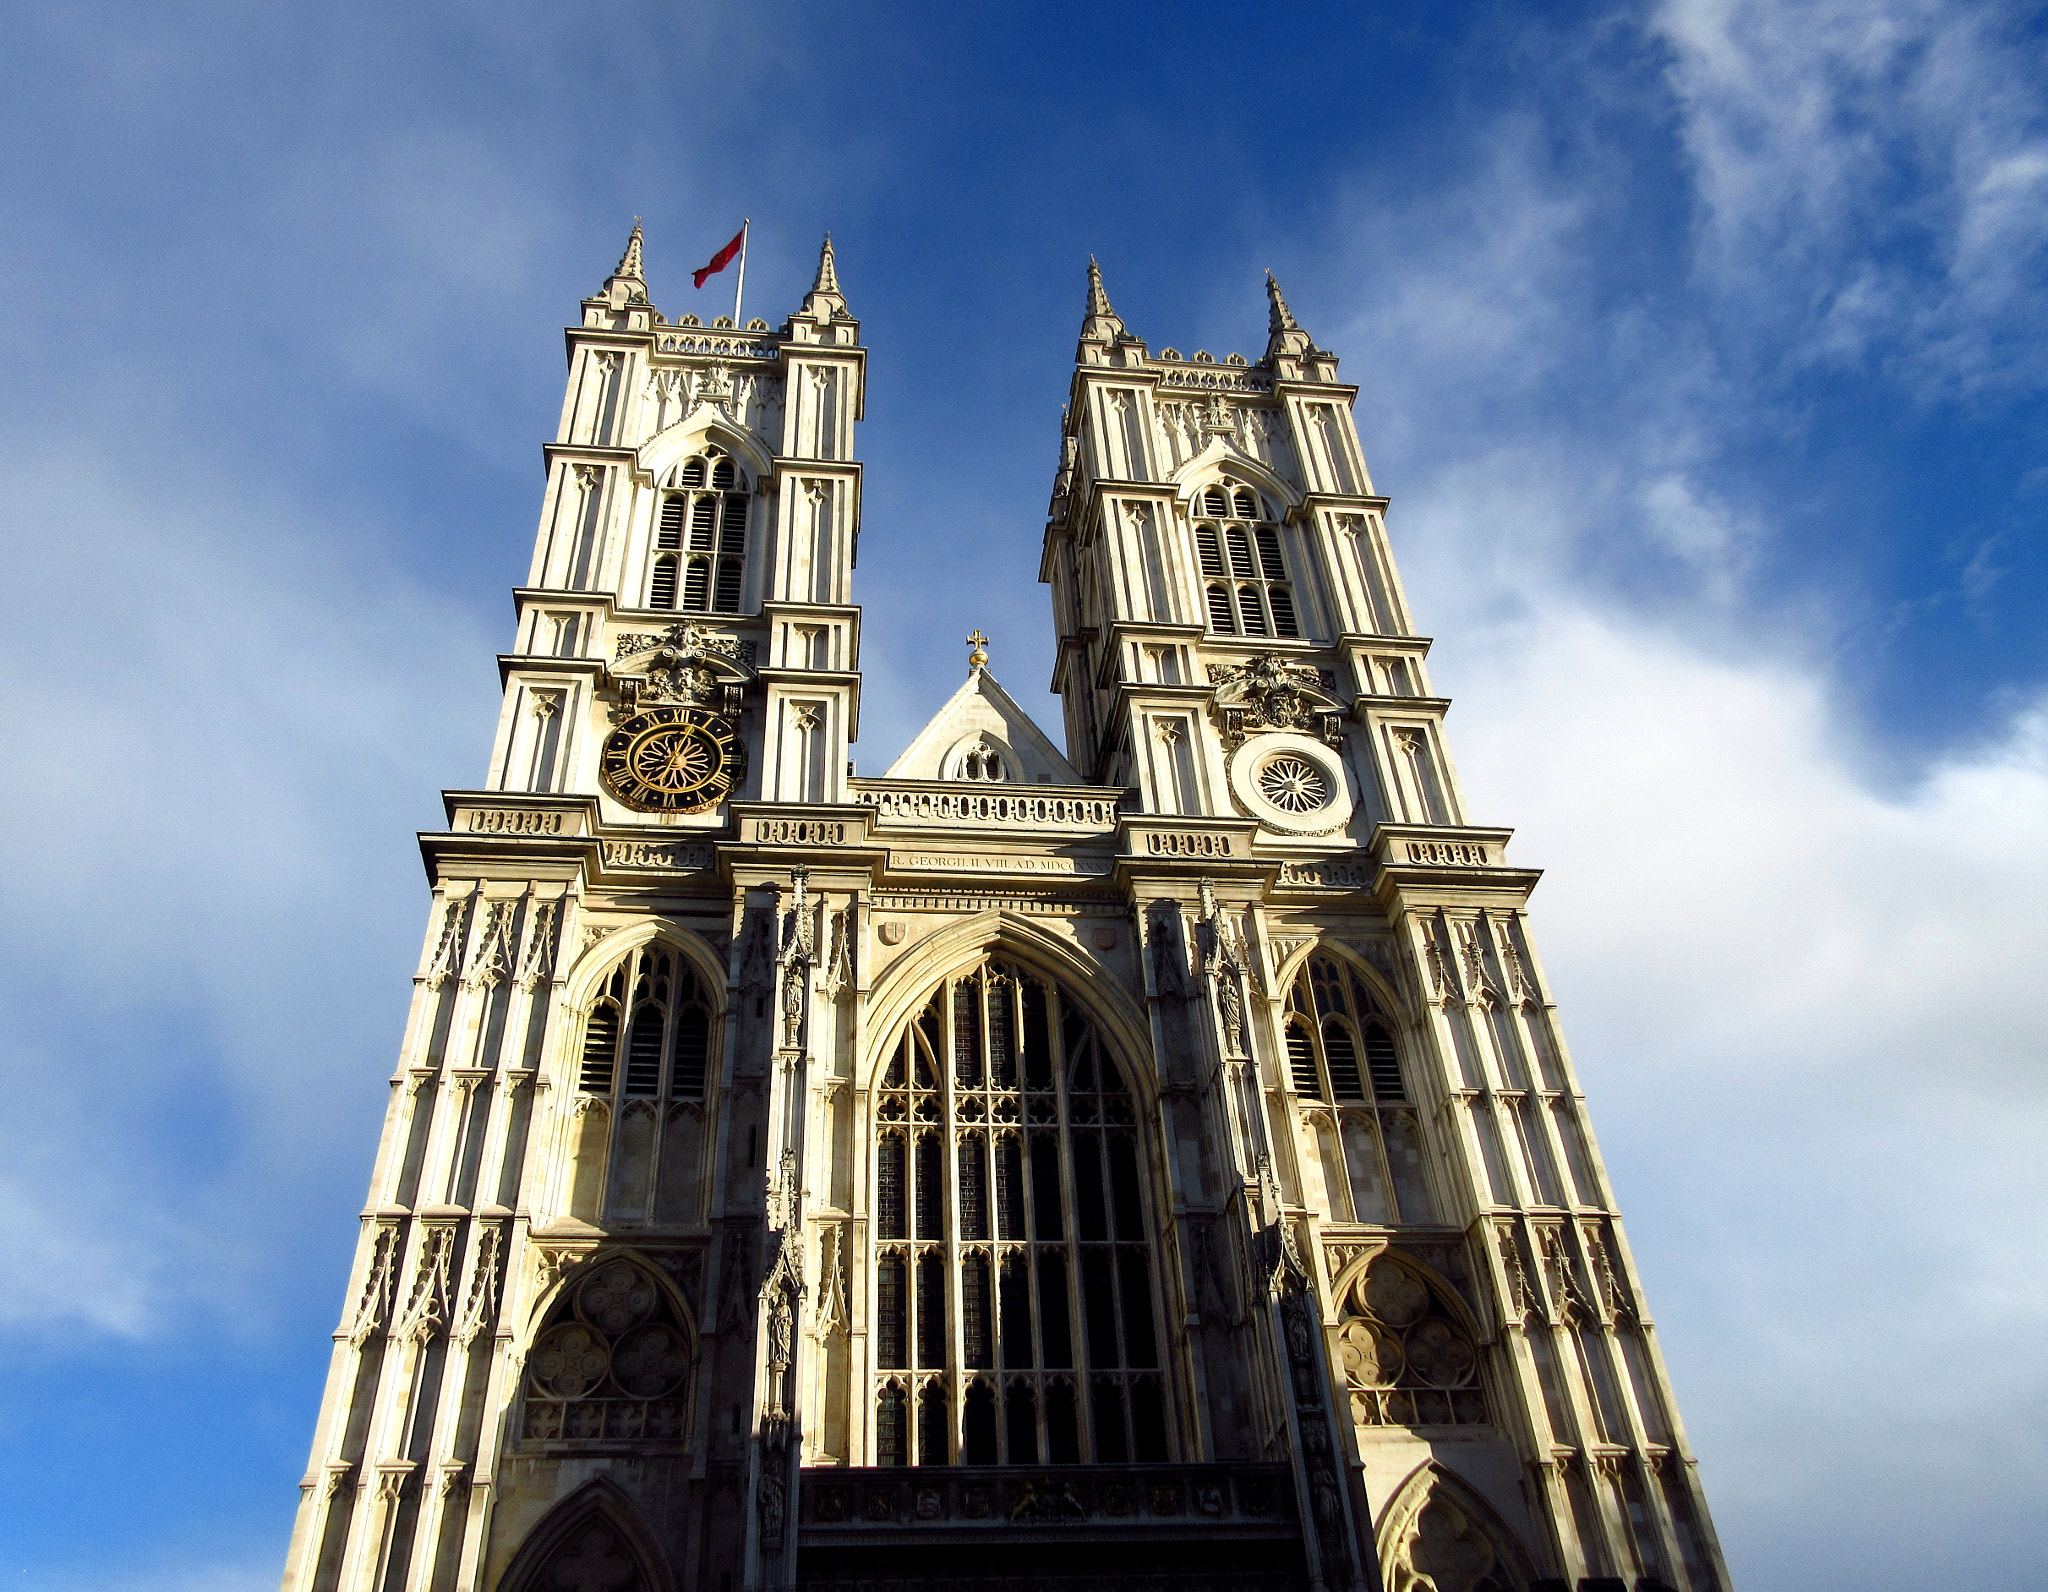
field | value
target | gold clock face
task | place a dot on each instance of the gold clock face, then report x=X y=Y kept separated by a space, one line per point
x=673 y=760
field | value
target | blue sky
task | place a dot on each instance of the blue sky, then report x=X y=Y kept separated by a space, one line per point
x=1701 y=350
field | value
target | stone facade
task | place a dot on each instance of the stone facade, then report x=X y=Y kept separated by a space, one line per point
x=1155 y=1162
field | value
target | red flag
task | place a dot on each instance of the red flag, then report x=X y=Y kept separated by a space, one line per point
x=722 y=258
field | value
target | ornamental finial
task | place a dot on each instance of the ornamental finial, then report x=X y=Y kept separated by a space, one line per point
x=979 y=656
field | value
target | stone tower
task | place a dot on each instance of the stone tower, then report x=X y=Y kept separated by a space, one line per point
x=1150 y=1163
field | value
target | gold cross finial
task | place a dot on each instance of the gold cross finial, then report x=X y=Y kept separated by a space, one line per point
x=979 y=655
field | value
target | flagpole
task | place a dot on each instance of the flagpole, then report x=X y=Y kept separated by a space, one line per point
x=740 y=287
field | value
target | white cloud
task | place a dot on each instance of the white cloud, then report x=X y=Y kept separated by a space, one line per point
x=1807 y=1018
x=1871 y=177
x=1804 y=1005
x=216 y=710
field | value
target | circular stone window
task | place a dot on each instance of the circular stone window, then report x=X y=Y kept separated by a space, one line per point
x=1292 y=783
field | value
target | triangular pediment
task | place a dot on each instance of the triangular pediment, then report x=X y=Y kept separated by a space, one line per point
x=982 y=716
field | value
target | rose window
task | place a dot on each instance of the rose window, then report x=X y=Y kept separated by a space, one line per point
x=613 y=1362
x=1294 y=785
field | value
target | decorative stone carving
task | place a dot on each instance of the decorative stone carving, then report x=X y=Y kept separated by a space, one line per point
x=373 y=1305
x=735 y=1297
x=480 y=1303
x=427 y=1308
x=492 y=964
x=537 y=961
x=684 y=664
x=1407 y=1359
x=447 y=962
x=833 y=1314
x=1614 y=1299
x=1267 y=692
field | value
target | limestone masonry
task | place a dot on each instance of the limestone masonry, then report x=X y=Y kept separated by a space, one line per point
x=1153 y=1165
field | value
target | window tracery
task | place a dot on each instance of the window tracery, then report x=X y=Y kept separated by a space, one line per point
x=1345 y=1070
x=1439 y=1542
x=649 y=1030
x=1408 y=1360
x=1246 y=591
x=1015 y=1294
x=700 y=538
x=613 y=1361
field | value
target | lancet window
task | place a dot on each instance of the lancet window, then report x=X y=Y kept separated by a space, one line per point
x=613 y=1361
x=700 y=539
x=1346 y=1074
x=1245 y=589
x=648 y=1034
x=1016 y=1300
x=980 y=761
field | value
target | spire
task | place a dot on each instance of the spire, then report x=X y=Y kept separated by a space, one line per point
x=1102 y=325
x=1279 y=318
x=629 y=262
x=627 y=285
x=1285 y=339
x=1098 y=296
x=825 y=303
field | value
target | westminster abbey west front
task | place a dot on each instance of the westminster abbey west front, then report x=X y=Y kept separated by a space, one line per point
x=1153 y=1165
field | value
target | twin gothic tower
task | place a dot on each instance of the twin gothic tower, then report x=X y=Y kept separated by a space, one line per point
x=1156 y=1163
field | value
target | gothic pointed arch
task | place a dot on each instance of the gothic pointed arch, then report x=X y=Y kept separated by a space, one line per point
x=1015 y=1216
x=910 y=978
x=689 y=436
x=1355 y=1081
x=1218 y=459
x=1411 y=1350
x=601 y=955
x=613 y=1357
x=636 y=1076
x=1295 y=956
x=1437 y=1534
x=592 y=1541
x=574 y=1268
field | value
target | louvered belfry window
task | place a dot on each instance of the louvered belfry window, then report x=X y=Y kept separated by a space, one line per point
x=700 y=539
x=1016 y=1300
x=1245 y=590
x=1346 y=1075
x=648 y=1034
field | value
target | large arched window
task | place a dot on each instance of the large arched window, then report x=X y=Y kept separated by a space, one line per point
x=1346 y=1075
x=1244 y=577
x=641 y=1076
x=1016 y=1306
x=700 y=540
